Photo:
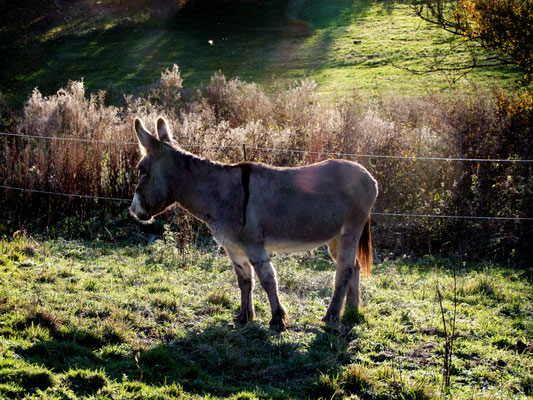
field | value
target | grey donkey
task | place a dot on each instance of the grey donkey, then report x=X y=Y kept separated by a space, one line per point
x=253 y=209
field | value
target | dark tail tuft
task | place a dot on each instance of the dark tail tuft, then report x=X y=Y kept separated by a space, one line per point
x=364 y=249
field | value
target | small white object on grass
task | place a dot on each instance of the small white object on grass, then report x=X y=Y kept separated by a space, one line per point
x=210 y=42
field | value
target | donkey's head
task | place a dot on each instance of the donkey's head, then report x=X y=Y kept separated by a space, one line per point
x=153 y=193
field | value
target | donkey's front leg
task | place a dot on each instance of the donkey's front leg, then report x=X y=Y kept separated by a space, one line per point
x=245 y=277
x=267 y=276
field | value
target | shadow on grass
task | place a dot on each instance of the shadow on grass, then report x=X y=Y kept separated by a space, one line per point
x=220 y=360
x=225 y=360
x=429 y=264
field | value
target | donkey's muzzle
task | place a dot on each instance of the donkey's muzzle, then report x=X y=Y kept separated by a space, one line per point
x=138 y=212
x=142 y=218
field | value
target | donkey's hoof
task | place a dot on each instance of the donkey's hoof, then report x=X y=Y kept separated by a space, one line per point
x=278 y=325
x=245 y=317
x=331 y=318
x=279 y=321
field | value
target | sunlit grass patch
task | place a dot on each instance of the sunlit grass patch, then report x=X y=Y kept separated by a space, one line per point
x=328 y=387
x=19 y=249
x=85 y=382
x=161 y=330
x=29 y=378
x=11 y=391
x=353 y=316
x=41 y=317
x=221 y=299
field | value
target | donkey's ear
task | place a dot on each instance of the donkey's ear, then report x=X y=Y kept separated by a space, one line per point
x=163 y=131
x=146 y=140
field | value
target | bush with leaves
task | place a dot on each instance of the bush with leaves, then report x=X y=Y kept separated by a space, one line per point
x=504 y=26
x=218 y=119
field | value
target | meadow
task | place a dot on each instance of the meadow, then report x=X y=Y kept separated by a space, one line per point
x=93 y=305
x=345 y=46
x=147 y=319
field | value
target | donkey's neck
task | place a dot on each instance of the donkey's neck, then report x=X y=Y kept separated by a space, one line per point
x=197 y=185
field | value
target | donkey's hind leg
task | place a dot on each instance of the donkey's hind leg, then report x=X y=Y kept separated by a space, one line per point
x=345 y=271
x=267 y=276
x=245 y=277
x=353 y=297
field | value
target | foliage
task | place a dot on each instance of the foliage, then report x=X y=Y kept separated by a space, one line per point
x=504 y=26
x=220 y=118
x=174 y=335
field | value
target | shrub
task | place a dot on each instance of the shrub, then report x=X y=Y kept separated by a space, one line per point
x=217 y=120
x=503 y=26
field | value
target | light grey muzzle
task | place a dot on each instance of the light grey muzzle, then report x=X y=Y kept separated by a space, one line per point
x=137 y=211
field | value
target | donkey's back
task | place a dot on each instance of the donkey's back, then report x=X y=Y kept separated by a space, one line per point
x=293 y=209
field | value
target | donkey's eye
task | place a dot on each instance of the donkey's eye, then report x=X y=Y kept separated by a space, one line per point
x=143 y=171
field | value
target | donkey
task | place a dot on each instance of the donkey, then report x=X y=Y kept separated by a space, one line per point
x=253 y=209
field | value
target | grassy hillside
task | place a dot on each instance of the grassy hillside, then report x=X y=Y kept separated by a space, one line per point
x=148 y=321
x=343 y=45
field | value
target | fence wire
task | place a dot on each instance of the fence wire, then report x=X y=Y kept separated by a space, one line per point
x=275 y=149
x=82 y=196
x=244 y=148
x=399 y=215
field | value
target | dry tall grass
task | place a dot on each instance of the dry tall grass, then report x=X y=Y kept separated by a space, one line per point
x=233 y=112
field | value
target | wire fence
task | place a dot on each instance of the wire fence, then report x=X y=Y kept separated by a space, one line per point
x=244 y=148
x=399 y=215
x=275 y=149
x=81 y=196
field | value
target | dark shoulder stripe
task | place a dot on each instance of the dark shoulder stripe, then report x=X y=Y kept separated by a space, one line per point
x=246 y=170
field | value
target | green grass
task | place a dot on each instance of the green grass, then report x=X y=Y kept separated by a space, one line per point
x=127 y=321
x=344 y=45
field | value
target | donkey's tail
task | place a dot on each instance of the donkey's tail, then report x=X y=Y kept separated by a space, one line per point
x=364 y=249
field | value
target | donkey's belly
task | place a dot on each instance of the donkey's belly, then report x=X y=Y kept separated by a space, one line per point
x=304 y=233
x=291 y=247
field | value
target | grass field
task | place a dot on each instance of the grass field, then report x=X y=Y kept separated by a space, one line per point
x=144 y=320
x=344 y=45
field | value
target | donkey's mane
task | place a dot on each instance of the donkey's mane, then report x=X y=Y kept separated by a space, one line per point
x=173 y=144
